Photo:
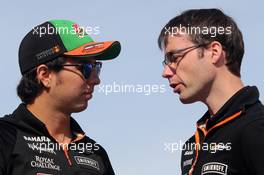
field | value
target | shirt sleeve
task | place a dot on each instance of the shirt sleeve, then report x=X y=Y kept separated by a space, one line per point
x=253 y=147
x=2 y=161
x=107 y=162
x=7 y=143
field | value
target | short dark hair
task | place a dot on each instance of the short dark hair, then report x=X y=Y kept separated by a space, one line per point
x=232 y=41
x=30 y=87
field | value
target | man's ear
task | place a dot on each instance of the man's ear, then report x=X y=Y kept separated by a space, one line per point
x=44 y=75
x=218 y=54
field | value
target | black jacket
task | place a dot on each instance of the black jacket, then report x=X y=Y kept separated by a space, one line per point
x=27 y=148
x=231 y=142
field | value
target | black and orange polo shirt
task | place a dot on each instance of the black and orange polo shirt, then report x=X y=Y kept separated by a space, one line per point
x=27 y=148
x=231 y=142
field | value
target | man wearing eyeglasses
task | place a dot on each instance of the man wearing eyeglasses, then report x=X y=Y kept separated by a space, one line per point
x=60 y=67
x=203 y=66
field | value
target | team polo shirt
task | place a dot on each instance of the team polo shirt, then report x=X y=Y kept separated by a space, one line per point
x=27 y=148
x=231 y=142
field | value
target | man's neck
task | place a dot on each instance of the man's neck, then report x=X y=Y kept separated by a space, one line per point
x=221 y=92
x=57 y=122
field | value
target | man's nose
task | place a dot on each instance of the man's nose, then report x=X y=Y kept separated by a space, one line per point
x=94 y=78
x=167 y=72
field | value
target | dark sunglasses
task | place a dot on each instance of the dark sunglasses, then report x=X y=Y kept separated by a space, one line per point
x=87 y=68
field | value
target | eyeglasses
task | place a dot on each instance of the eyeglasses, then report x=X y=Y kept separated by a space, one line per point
x=87 y=68
x=176 y=56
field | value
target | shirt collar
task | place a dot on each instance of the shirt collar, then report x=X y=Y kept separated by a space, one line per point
x=241 y=100
x=27 y=120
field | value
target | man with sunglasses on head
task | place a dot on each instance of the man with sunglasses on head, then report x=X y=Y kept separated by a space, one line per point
x=60 y=67
x=203 y=66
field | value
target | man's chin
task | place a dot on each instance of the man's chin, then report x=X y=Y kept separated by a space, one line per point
x=186 y=100
x=80 y=107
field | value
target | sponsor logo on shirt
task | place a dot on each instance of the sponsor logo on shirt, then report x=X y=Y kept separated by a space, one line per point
x=40 y=144
x=40 y=148
x=37 y=139
x=45 y=163
x=187 y=162
x=87 y=161
x=214 y=167
x=187 y=153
